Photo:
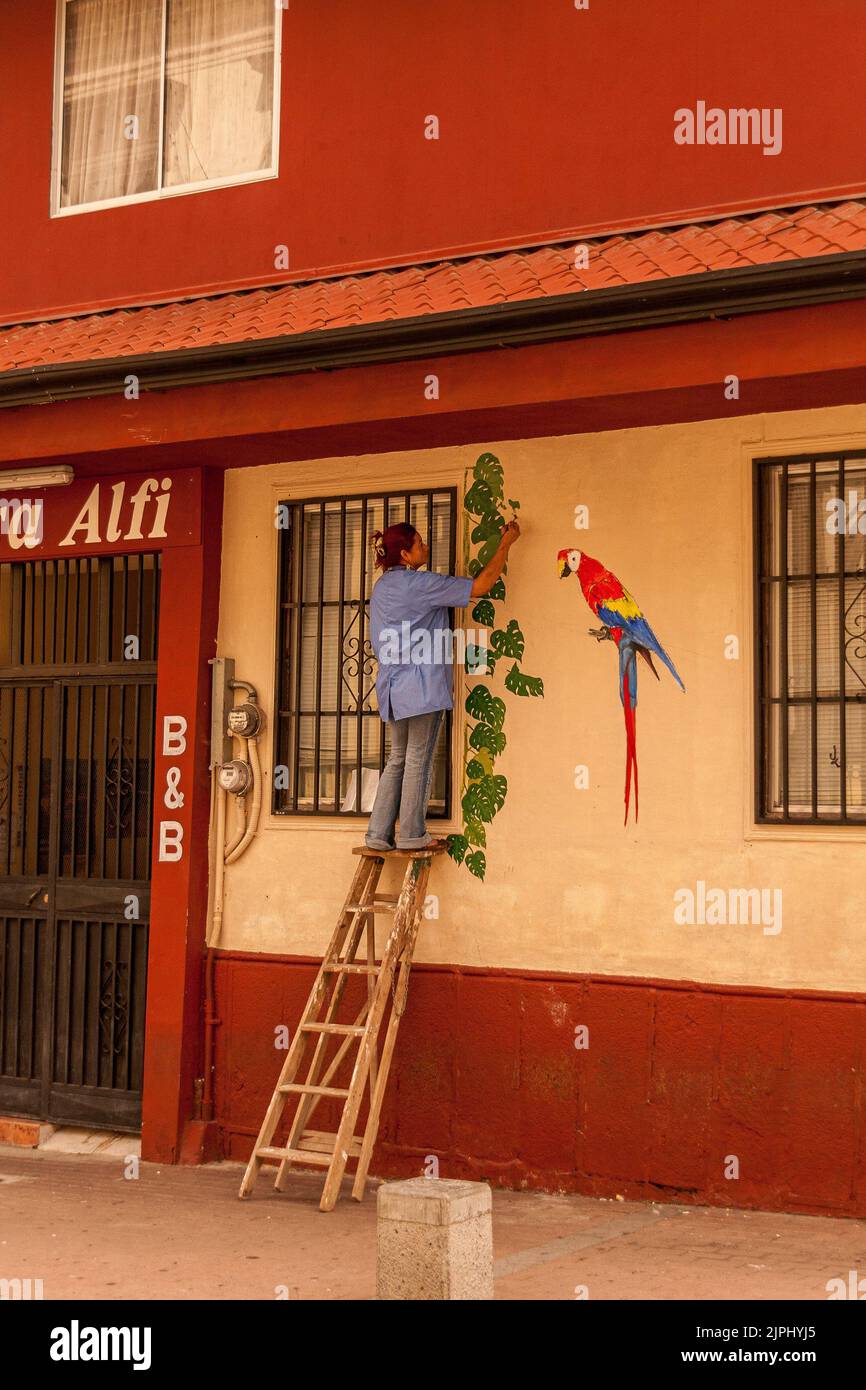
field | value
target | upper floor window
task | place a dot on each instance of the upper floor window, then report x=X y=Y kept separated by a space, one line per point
x=811 y=639
x=158 y=97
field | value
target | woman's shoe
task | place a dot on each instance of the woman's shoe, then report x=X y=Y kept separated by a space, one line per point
x=433 y=843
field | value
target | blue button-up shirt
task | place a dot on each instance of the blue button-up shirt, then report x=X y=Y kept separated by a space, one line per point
x=411 y=636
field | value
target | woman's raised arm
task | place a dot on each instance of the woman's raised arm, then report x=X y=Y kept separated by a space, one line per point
x=483 y=582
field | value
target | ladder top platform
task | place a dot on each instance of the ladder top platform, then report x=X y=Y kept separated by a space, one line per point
x=398 y=853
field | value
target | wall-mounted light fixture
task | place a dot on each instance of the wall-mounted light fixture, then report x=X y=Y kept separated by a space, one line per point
x=37 y=477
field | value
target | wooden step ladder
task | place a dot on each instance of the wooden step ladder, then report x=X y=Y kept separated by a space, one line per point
x=387 y=984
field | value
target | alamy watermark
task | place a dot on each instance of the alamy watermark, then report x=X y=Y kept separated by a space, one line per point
x=77 y=1343
x=846 y=516
x=20 y=1290
x=21 y=521
x=443 y=647
x=854 y=1287
x=738 y=125
x=720 y=907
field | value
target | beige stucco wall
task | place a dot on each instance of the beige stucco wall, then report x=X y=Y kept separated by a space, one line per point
x=568 y=887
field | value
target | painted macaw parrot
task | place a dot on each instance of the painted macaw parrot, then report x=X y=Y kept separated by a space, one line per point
x=624 y=624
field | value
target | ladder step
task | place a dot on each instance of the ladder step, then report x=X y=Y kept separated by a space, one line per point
x=315 y=1146
x=338 y=966
x=351 y=1030
x=375 y=906
x=321 y=1141
x=321 y=1159
x=294 y=1089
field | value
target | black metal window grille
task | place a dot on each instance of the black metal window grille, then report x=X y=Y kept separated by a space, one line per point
x=79 y=611
x=75 y=621
x=328 y=729
x=810 y=624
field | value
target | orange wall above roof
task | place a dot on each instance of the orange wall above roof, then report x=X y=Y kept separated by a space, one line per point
x=553 y=121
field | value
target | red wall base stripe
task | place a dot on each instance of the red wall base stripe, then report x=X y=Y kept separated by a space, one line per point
x=678 y=1080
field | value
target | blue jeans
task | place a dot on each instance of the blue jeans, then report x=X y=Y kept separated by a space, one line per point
x=404 y=787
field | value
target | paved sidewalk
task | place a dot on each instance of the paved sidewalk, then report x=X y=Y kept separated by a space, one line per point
x=173 y=1233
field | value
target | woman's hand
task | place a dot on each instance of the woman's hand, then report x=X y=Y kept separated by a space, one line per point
x=483 y=582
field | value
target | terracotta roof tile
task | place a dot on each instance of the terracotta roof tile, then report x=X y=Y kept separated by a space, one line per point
x=413 y=291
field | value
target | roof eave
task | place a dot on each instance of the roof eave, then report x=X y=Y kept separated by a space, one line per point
x=622 y=308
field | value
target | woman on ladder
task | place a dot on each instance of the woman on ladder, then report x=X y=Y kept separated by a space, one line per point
x=411 y=637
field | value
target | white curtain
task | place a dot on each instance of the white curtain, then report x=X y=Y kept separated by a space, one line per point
x=219 y=89
x=218 y=85
x=111 y=73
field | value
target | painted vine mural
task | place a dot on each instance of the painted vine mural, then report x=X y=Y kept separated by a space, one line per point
x=484 y=790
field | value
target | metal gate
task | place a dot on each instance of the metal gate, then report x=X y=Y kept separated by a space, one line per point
x=77 y=697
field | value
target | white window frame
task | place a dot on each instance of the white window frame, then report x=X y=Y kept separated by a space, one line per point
x=176 y=190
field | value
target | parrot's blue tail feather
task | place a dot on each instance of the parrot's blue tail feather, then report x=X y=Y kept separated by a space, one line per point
x=644 y=635
x=663 y=656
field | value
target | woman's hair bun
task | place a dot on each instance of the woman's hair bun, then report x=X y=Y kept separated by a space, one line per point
x=390 y=544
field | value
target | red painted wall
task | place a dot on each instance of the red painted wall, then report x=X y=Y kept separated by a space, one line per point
x=189 y=604
x=676 y=1077
x=553 y=121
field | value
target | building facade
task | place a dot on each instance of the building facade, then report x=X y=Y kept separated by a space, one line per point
x=261 y=297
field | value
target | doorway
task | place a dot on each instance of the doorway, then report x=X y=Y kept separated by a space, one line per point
x=78 y=663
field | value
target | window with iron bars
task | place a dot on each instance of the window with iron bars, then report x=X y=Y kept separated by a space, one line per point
x=810 y=624
x=330 y=744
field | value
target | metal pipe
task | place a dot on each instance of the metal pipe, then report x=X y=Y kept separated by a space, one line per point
x=253 y=820
x=221 y=854
x=219 y=867
x=244 y=685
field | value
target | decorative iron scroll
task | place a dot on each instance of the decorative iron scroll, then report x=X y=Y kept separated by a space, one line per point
x=855 y=645
x=358 y=664
x=113 y=1007
x=119 y=786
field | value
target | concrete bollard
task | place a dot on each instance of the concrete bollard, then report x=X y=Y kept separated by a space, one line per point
x=435 y=1240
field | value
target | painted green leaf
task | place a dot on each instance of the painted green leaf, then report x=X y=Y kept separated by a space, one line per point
x=483 y=799
x=488 y=469
x=488 y=550
x=485 y=758
x=484 y=613
x=476 y=863
x=457 y=847
x=488 y=528
x=520 y=684
x=481 y=704
x=515 y=506
x=479 y=500
x=479 y=661
x=475 y=832
x=473 y=568
x=475 y=769
x=508 y=641
x=498 y=590
x=485 y=737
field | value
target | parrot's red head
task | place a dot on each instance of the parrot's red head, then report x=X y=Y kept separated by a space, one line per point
x=567 y=562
